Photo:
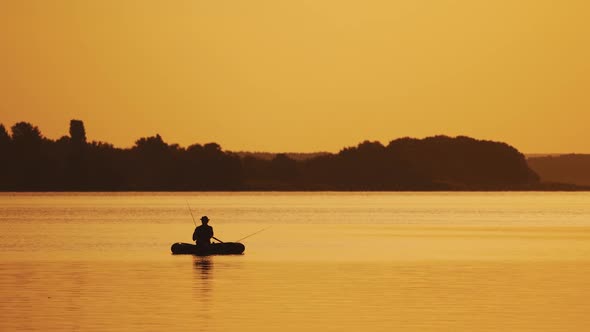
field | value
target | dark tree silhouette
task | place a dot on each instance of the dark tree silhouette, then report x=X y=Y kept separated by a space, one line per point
x=32 y=162
x=465 y=163
x=26 y=136
x=76 y=175
x=6 y=159
x=368 y=166
x=77 y=132
x=4 y=137
x=220 y=170
x=151 y=163
x=283 y=168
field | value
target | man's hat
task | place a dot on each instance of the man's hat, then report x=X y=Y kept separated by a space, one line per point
x=204 y=218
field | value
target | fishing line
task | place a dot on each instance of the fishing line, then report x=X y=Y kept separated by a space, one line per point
x=254 y=233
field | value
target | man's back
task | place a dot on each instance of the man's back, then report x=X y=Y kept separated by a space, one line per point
x=203 y=234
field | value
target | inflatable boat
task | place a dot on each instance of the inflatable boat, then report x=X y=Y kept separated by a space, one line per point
x=225 y=248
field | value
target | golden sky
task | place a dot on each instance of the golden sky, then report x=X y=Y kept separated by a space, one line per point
x=300 y=75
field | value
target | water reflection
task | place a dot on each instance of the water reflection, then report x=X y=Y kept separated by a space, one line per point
x=203 y=266
x=202 y=294
x=203 y=282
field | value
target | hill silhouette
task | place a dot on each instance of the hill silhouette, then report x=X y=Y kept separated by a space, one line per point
x=567 y=168
x=31 y=162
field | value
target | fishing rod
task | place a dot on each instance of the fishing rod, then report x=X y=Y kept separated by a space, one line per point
x=189 y=210
x=254 y=233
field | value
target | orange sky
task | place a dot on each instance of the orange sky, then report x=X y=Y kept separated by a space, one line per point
x=300 y=75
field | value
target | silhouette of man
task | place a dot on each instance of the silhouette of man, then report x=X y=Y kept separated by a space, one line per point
x=203 y=234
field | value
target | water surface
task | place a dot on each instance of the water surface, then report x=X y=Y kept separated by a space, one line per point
x=329 y=261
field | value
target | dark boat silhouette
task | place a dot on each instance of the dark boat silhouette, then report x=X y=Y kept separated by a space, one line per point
x=225 y=248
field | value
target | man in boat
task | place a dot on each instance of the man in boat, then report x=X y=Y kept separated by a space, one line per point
x=203 y=234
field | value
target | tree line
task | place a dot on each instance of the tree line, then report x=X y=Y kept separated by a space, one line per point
x=32 y=162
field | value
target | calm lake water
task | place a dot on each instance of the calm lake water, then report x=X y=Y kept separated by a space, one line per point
x=328 y=262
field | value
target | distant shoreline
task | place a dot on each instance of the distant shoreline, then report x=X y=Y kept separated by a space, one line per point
x=567 y=188
x=34 y=163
